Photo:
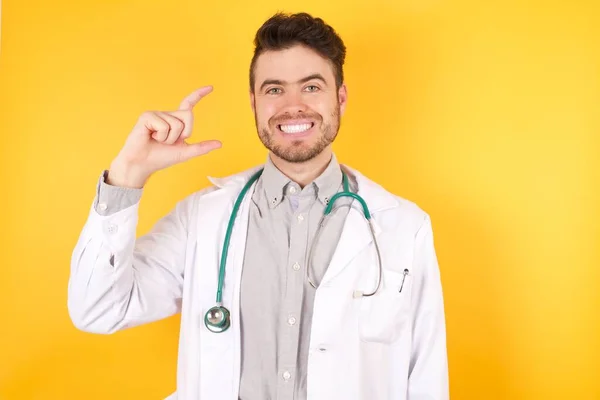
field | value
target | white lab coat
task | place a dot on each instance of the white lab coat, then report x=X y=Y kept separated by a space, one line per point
x=388 y=346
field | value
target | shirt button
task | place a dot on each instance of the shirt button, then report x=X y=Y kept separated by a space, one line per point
x=296 y=267
x=287 y=375
x=102 y=206
x=291 y=320
x=300 y=218
x=292 y=189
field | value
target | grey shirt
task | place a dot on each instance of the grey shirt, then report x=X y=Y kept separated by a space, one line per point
x=276 y=297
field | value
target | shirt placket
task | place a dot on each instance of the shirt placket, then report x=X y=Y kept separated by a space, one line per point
x=292 y=307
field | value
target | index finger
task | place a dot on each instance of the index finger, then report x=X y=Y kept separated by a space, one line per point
x=192 y=99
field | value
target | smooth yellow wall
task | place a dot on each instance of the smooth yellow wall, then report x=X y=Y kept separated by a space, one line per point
x=485 y=113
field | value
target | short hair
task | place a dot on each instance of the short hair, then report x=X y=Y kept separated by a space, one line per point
x=283 y=31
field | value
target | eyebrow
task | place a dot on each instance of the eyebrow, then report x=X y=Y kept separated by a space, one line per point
x=303 y=80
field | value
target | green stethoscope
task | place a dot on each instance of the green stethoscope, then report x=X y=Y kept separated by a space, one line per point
x=217 y=319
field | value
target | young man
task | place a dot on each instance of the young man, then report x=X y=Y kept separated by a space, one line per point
x=276 y=303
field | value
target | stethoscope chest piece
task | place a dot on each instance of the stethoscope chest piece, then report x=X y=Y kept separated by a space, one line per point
x=217 y=319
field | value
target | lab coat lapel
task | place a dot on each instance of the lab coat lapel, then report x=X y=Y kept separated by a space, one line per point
x=227 y=346
x=356 y=236
x=239 y=236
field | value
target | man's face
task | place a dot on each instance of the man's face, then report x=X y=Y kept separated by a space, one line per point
x=296 y=105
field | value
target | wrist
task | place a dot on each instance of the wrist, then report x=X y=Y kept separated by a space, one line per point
x=126 y=176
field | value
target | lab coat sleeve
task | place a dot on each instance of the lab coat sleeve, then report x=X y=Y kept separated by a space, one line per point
x=111 y=199
x=428 y=373
x=117 y=281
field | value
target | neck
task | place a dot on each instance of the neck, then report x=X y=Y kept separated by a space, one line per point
x=306 y=172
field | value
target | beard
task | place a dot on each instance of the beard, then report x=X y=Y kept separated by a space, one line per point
x=298 y=151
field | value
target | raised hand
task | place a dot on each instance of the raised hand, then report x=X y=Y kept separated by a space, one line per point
x=158 y=141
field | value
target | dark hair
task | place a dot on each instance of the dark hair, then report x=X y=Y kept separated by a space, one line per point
x=283 y=31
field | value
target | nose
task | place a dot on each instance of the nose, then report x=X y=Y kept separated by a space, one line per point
x=293 y=103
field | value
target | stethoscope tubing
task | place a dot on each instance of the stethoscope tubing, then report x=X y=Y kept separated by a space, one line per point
x=217 y=319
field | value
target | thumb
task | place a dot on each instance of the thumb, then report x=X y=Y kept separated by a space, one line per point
x=197 y=149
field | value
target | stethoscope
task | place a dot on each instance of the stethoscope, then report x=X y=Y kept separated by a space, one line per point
x=218 y=318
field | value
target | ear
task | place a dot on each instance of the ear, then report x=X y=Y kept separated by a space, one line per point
x=252 y=101
x=342 y=98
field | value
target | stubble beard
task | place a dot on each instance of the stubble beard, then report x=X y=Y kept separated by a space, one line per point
x=297 y=151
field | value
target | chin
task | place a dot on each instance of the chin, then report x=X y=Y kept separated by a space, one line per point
x=296 y=154
x=294 y=148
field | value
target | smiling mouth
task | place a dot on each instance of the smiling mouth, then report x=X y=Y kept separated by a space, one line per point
x=295 y=128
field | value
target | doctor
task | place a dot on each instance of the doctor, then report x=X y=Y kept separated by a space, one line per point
x=297 y=279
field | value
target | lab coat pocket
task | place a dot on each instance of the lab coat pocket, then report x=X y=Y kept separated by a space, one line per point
x=383 y=316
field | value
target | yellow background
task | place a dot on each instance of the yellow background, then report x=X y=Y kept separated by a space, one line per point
x=485 y=113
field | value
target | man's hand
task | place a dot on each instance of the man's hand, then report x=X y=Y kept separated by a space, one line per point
x=157 y=141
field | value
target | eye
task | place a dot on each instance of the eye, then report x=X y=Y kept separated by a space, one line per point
x=312 y=88
x=274 y=91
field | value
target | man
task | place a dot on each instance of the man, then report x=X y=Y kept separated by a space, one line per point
x=341 y=312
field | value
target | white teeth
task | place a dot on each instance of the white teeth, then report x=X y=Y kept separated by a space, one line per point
x=295 y=128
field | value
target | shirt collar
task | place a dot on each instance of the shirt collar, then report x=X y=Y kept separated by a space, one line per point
x=325 y=185
x=274 y=182
x=330 y=181
x=377 y=198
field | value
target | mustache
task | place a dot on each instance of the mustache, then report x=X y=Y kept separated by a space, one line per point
x=283 y=118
